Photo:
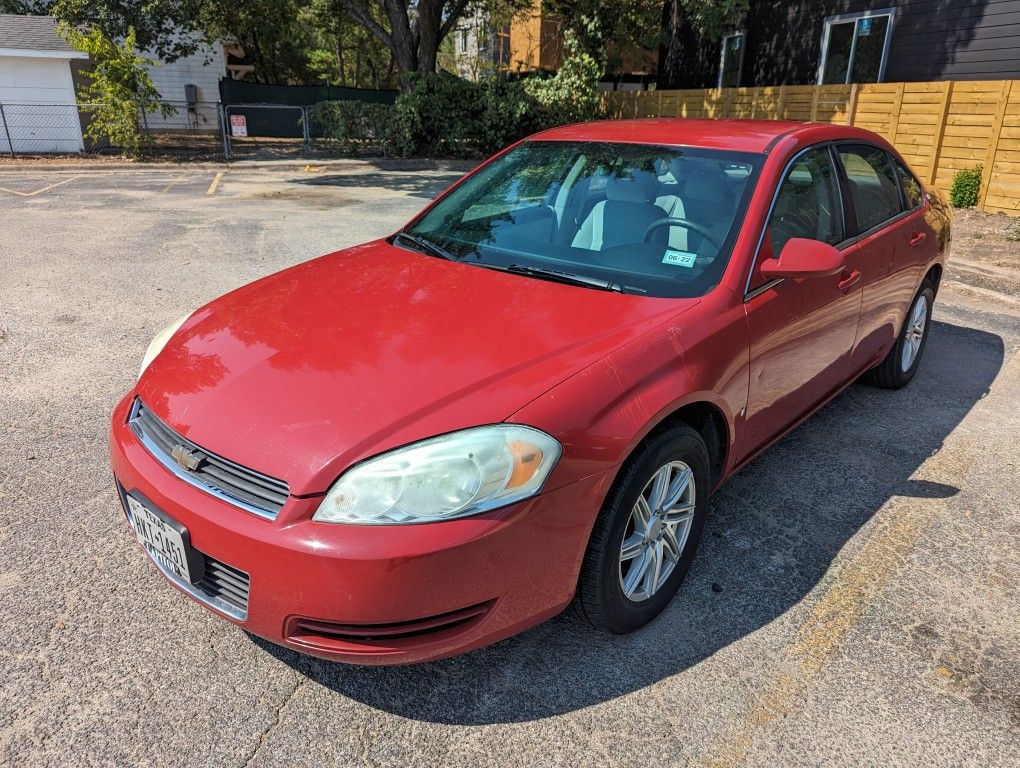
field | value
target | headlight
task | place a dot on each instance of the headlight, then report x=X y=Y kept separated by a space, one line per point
x=455 y=475
x=157 y=344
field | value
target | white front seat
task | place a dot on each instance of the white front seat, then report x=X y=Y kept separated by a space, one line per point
x=623 y=216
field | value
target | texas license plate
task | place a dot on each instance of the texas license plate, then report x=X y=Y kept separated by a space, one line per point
x=163 y=542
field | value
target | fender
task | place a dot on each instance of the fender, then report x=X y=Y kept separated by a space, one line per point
x=622 y=410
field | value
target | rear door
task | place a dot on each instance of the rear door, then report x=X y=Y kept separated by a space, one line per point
x=801 y=330
x=881 y=228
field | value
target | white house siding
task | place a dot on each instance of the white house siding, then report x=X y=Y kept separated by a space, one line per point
x=37 y=95
x=203 y=69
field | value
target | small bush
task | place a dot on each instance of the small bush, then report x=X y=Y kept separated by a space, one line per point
x=355 y=127
x=965 y=189
x=442 y=115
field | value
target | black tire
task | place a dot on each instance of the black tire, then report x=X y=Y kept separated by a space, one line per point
x=600 y=597
x=889 y=374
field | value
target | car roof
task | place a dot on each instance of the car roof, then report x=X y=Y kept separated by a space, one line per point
x=737 y=135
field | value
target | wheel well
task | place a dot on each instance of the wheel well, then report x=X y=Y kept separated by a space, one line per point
x=710 y=423
x=934 y=276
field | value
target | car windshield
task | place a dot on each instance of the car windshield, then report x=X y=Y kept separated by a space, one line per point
x=645 y=219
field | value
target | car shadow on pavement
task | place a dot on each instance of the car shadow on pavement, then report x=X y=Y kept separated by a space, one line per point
x=773 y=532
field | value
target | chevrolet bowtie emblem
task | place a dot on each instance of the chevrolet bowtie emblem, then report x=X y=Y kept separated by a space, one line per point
x=185 y=459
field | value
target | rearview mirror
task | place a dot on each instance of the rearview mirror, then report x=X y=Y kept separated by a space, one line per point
x=801 y=257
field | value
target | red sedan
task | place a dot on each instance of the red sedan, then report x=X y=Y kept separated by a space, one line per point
x=418 y=446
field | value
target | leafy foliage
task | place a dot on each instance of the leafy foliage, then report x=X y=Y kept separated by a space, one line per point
x=119 y=90
x=442 y=115
x=167 y=28
x=572 y=95
x=355 y=127
x=712 y=18
x=604 y=30
x=966 y=187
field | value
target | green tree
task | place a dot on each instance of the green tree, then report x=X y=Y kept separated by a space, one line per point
x=599 y=26
x=413 y=30
x=691 y=30
x=26 y=7
x=119 y=90
x=167 y=28
x=345 y=52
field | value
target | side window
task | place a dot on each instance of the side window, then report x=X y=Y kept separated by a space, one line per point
x=911 y=187
x=808 y=203
x=872 y=184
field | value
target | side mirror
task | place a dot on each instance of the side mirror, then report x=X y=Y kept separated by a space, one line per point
x=801 y=257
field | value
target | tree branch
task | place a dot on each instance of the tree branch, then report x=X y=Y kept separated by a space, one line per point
x=456 y=11
x=362 y=16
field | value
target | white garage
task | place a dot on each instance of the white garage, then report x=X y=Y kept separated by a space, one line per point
x=37 y=100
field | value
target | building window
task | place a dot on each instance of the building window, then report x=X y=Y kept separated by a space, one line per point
x=855 y=47
x=731 y=60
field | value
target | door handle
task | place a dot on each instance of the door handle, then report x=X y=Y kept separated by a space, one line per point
x=917 y=238
x=849 y=280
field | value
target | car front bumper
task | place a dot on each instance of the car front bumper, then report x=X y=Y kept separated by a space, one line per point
x=374 y=594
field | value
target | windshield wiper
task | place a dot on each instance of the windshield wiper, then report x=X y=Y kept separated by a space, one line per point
x=427 y=245
x=570 y=278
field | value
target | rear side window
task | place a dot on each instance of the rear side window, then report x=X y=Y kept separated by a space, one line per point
x=911 y=187
x=808 y=202
x=872 y=184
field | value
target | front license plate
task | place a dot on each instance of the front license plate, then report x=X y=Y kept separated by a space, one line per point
x=164 y=544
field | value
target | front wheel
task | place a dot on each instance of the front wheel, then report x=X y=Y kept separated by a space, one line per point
x=647 y=532
x=900 y=365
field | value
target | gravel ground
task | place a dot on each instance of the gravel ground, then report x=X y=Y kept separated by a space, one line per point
x=855 y=600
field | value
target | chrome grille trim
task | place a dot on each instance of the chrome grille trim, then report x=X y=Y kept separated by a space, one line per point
x=242 y=487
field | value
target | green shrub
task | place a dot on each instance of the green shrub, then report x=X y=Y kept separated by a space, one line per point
x=572 y=95
x=442 y=115
x=355 y=127
x=966 y=186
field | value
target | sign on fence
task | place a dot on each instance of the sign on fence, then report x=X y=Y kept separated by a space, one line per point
x=238 y=125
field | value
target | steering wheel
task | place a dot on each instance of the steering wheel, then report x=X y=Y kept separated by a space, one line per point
x=694 y=226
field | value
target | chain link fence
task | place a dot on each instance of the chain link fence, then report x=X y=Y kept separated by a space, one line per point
x=265 y=130
x=196 y=130
x=188 y=129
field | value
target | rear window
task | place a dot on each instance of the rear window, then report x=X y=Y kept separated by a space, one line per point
x=911 y=187
x=872 y=184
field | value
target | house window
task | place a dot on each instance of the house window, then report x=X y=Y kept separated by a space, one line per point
x=731 y=60
x=855 y=47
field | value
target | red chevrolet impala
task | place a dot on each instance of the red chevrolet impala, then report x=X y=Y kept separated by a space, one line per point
x=423 y=444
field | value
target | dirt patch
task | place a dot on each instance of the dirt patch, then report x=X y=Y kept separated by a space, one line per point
x=986 y=251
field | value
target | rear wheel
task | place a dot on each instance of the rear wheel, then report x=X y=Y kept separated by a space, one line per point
x=647 y=532
x=900 y=365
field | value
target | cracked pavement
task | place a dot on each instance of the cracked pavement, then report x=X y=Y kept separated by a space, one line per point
x=868 y=565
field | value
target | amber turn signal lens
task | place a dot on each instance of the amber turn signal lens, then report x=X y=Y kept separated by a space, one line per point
x=527 y=458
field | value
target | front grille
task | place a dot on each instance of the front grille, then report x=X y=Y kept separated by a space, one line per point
x=239 y=485
x=224 y=582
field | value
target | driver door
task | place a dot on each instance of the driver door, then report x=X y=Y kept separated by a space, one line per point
x=801 y=330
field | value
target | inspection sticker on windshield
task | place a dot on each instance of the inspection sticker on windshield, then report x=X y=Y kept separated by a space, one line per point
x=679 y=258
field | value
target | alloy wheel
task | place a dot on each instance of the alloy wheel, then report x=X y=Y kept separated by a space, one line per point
x=657 y=531
x=914 y=333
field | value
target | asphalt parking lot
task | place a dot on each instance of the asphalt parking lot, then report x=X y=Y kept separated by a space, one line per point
x=855 y=601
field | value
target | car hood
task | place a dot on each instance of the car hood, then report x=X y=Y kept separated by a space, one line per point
x=304 y=372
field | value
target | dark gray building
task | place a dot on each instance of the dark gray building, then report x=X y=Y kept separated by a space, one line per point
x=848 y=41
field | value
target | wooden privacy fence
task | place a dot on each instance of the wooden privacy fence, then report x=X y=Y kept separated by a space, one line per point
x=940 y=128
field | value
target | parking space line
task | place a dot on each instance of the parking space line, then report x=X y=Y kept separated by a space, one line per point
x=215 y=183
x=171 y=184
x=39 y=191
x=852 y=586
